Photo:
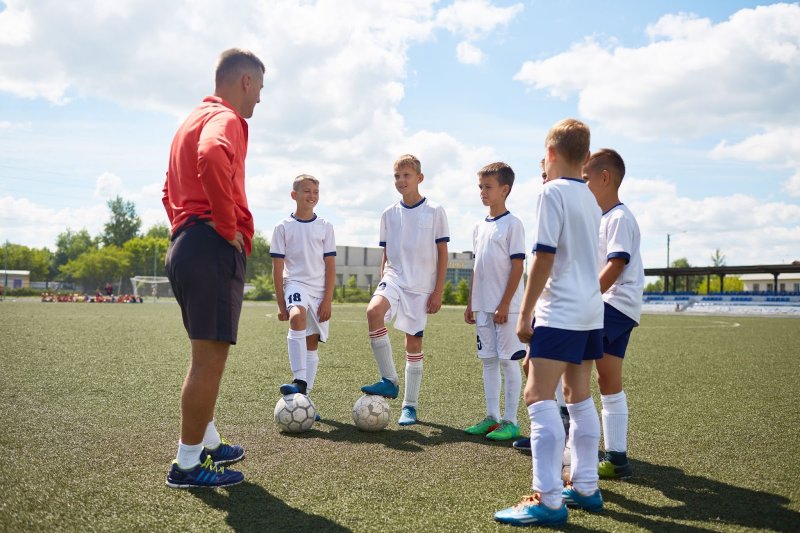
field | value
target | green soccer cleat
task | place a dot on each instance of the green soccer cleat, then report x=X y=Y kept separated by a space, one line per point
x=483 y=427
x=608 y=470
x=506 y=431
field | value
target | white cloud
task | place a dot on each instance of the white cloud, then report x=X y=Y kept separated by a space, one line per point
x=695 y=77
x=792 y=187
x=475 y=18
x=16 y=24
x=107 y=185
x=468 y=53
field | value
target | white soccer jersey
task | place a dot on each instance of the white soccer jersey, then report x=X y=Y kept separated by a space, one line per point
x=303 y=245
x=568 y=224
x=619 y=237
x=495 y=242
x=409 y=234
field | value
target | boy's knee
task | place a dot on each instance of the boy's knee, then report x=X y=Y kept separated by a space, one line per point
x=297 y=318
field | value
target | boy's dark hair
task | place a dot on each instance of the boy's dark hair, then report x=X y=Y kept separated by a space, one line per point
x=610 y=160
x=570 y=138
x=500 y=170
x=235 y=62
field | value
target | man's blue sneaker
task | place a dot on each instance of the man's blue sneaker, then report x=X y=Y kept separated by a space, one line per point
x=573 y=498
x=224 y=454
x=205 y=474
x=408 y=416
x=532 y=512
x=297 y=386
x=523 y=445
x=384 y=388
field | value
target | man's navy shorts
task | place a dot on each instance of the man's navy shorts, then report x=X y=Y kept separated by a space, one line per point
x=207 y=278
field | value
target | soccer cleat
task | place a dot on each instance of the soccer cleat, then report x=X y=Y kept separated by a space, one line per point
x=573 y=498
x=224 y=453
x=205 y=474
x=384 y=388
x=408 y=416
x=317 y=417
x=297 y=386
x=608 y=470
x=565 y=419
x=506 y=431
x=523 y=444
x=483 y=427
x=532 y=512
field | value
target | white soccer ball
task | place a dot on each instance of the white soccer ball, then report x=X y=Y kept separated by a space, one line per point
x=295 y=413
x=371 y=413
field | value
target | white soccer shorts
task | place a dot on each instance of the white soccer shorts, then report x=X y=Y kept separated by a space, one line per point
x=296 y=295
x=498 y=340
x=408 y=309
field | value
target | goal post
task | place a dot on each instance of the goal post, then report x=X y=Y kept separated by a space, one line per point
x=151 y=286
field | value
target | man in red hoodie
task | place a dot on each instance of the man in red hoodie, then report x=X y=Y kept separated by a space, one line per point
x=212 y=232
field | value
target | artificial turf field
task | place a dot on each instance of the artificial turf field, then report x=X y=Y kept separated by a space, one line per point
x=90 y=405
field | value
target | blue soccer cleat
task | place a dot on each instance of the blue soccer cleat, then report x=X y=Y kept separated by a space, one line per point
x=573 y=498
x=204 y=475
x=532 y=512
x=523 y=445
x=384 y=388
x=297 y=386
x=224 y=453
x=408 y=416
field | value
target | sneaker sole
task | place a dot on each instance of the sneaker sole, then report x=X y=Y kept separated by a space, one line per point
x=228 y=461
x=409 y=423
x=195 y=486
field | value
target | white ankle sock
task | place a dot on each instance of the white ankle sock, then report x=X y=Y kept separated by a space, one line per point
x=211 y=439
x=188 y=455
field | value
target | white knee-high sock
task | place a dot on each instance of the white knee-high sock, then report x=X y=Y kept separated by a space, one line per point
x=413 y=378
x=547 y=449
x=584 y=436
x=491 y=386
x=296 y=340
x=615 y=422
x=382 y=349
x=513 y=381
x=211 y=439
x=312 y=363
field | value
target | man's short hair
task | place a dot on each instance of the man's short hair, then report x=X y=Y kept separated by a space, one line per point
x=235 y=62
x=610 y=160
x=298 y=181
x=502 y=171
x=408 y=160
x=571 y=139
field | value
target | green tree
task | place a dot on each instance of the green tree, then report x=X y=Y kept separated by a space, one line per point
x=20 y=257
x=731 y=284
x=656 y=286
x=448 y=296
x=123 y=225
x=717 y=258
x=462 y=292
x=95 y=268
x=159 y=230
x=264 y=288
x=70 y=245
x=259 y=263
x=680 y=283
x=146 y=253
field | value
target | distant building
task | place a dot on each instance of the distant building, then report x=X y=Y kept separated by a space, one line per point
x=365 y=264
x=766 y=282
x=15 y=279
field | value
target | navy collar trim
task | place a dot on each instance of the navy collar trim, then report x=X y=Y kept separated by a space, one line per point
x=490 y=219
x=612 y=208
x=579 y=180
x=312 y=219
x=412 y=206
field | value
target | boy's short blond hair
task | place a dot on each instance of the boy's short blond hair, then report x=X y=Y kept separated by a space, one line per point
x=301 y=178
x=501 y=171
x=608 y=159
x=571 y=139
x=408 y=160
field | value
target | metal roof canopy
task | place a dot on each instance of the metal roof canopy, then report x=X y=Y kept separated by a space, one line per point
x=721 y=272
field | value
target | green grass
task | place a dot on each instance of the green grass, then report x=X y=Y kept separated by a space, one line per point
x=90 y=402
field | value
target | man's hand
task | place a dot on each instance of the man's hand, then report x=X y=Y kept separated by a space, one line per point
x=238 y=240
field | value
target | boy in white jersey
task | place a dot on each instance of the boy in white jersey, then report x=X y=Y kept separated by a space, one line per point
x=566 y=336
x=303 y=250
x=495 y=292
x=414 y=237
x=622 y=283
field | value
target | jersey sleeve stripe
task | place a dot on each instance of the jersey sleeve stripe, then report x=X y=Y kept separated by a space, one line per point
x=279 y=256
x=517 y=256
x=442 y=239
x=328 y=254
x=544 y=248
x=622 y=255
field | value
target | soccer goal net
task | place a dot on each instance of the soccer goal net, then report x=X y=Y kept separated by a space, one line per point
x=151 y=286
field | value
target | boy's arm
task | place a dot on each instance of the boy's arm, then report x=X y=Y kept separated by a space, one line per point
x=435 y=300
x=501 y=313
x=383 y=262
x=277 y=280
x=469 y=316
x=610 y=273
x=324 y=311
x=541 y=266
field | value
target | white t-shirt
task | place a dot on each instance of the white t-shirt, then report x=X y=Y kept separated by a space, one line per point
x=495 y=242
x=409 y=234
x=303 y=245
x=619 y=237
x=568 y=224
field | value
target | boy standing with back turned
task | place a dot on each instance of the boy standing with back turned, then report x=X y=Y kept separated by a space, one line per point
x=566 y=336
x=414 y=236
x=495 y=292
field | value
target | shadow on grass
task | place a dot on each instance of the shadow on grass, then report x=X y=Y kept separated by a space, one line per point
x=698 y=499
x=405 y=439
x=251 y=508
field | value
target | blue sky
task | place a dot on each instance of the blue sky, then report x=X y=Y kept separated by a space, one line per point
x=698 y=97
